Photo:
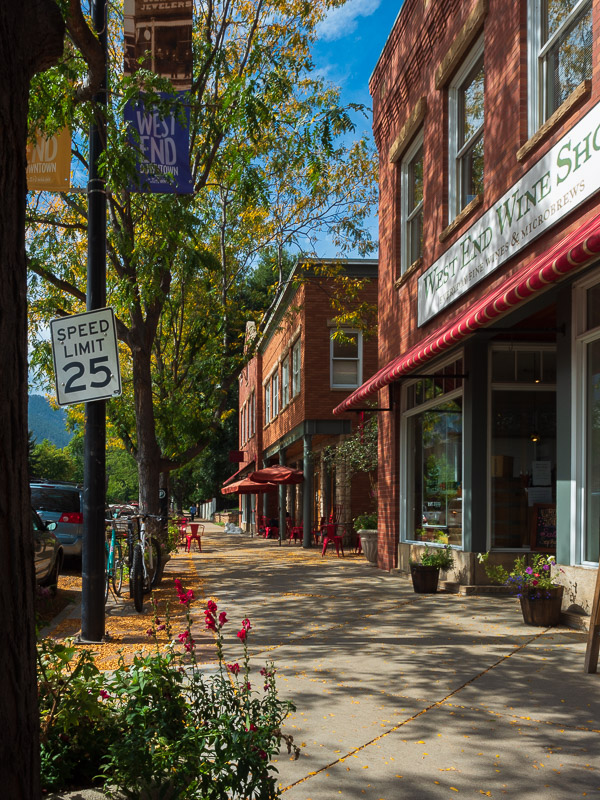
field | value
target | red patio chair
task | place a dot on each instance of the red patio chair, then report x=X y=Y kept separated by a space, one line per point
x=296 y=532
x=332 y=536
x=196 y=531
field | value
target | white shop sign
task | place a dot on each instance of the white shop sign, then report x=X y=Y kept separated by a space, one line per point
x=566 y=176
x=86 y=357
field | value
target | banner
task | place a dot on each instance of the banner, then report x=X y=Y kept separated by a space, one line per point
x=49 y=163
x=158 y=37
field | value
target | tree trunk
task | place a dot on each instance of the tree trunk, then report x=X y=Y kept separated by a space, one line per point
x=31 y=35
x=148 y=454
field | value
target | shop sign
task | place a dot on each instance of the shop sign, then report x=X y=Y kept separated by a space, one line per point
x=560 y=181
x=86 y=357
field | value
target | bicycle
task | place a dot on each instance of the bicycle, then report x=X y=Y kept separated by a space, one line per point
x=144 y=560
x=115 y=563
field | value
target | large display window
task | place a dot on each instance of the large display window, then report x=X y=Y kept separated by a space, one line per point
x=434 y=457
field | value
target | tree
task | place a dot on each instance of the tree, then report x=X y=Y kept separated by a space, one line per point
x=53 y=463
x=31 y=40
x=180 y=295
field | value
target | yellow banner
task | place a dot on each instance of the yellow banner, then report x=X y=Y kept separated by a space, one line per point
x=49 y=163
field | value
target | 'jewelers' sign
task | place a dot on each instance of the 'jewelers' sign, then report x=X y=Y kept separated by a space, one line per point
x=565 y=177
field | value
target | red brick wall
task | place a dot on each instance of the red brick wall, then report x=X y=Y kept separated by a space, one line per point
x=421 y=37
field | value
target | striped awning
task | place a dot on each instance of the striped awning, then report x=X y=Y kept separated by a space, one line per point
x=569 y=254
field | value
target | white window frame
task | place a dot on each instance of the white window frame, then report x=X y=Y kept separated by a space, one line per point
x=285 y=381
x=467 y=66
x=536 y=83
x=296 y=367
x=359 y=359
x=581 y=340
x=405 y=217
x=275 y=394
x=404 y=438
x=268 y=402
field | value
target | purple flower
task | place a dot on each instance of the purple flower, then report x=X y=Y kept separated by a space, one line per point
x=529 y=571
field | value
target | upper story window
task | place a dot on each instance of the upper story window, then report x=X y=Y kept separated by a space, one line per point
x=346 y=359
x=252 y=413
x=465 y=132
x=559 y=52
x=267 y=402
x=275 y=394
x=411 y=215
x=285 y=381
x=296 y=367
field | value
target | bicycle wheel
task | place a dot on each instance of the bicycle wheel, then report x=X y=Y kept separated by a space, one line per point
x=106 y=574
x=118 y=568
x=136 y=579
x=152 y=559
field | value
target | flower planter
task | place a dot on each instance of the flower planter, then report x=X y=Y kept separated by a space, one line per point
x=424 y=578
x=368 y=542
x=543 y=611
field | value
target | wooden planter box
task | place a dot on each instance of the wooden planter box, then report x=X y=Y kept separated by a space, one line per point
x=543 y=611
x=424 y=578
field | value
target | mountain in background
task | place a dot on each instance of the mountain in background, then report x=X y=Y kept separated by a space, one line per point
x=46 y=422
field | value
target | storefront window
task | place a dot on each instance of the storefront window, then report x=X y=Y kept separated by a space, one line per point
x=435 y=493
x=591 y=549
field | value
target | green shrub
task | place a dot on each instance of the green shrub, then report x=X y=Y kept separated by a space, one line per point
x=440 y=557
x=366 y=522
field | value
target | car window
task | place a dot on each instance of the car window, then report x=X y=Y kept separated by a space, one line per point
x=45 y=498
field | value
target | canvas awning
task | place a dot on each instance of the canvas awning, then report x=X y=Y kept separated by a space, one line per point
x=569 y=254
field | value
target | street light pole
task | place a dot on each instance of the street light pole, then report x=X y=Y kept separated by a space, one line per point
x=94 y=492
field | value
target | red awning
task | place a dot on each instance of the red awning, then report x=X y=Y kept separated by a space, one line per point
x=246 y=486
x=572 y=252
x=237 y=475
x=278 y=473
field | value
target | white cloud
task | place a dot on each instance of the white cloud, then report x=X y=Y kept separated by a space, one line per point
x=340 y=22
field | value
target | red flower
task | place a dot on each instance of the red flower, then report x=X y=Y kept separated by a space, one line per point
x=183 y=636
x=211 y=606
x=210 y=621
x=233 y=668
x=246 y=624
x=535 y=583
x=222 y=618
x=242 y=634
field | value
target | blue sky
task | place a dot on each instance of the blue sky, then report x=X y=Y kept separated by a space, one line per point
x=351 y=39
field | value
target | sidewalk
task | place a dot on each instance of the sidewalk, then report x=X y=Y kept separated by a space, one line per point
x=401 y=695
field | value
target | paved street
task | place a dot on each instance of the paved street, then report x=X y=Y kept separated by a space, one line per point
x=401 y=695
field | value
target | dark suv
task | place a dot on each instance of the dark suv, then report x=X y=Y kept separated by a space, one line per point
x=61 y=503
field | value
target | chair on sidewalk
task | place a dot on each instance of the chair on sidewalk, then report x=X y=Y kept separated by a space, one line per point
x=318 y=530
x=332 y=536
x=182 y=528
x=261 y=525
x=196 y=531
x=296 y=532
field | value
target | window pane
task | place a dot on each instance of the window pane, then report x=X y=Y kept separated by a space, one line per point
x=555 y=13
x=435 y=496
x=347 y=348
x=592 y=516
x=593 y=308
x=503 y=366
x=345 y=373
x=569 y=62
x=472 y=105
x=471 y=165
x=415 y=188
x=415 y=237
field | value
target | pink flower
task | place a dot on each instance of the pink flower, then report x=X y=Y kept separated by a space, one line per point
x=104 y=694
x=242 y=635
x=178 y=586
x=189 y=646
x=211 y=606
x=246 y=624
x=189 y=595
x=183 y=636
x=222 y=618
x=233 y=668
x=149 y=632
x=161 y=627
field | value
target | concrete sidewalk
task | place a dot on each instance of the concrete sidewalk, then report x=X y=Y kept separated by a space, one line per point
x=401 y=695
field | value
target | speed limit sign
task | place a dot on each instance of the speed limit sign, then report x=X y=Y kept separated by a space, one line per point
x=86 y=357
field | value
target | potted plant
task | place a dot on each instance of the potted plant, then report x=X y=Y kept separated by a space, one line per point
x=425 y=572
x=365 y=526
x=534 y=584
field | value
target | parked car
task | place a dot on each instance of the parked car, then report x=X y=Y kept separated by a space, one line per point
x=61 y=503
x=48 y=552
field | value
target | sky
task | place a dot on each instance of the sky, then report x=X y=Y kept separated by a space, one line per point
x=351 y=39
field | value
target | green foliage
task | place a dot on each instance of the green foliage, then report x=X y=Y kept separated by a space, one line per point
x=441 y=557
x=367 y=522
x=525 y=580
x=357 y=453
x=53 y=463
x=161 y=727
x=122 y=474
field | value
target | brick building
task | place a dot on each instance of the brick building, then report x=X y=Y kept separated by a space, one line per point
x=487 y=122
x=287 y=393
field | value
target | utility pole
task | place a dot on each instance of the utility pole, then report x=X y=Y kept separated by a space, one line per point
x=94 y=491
